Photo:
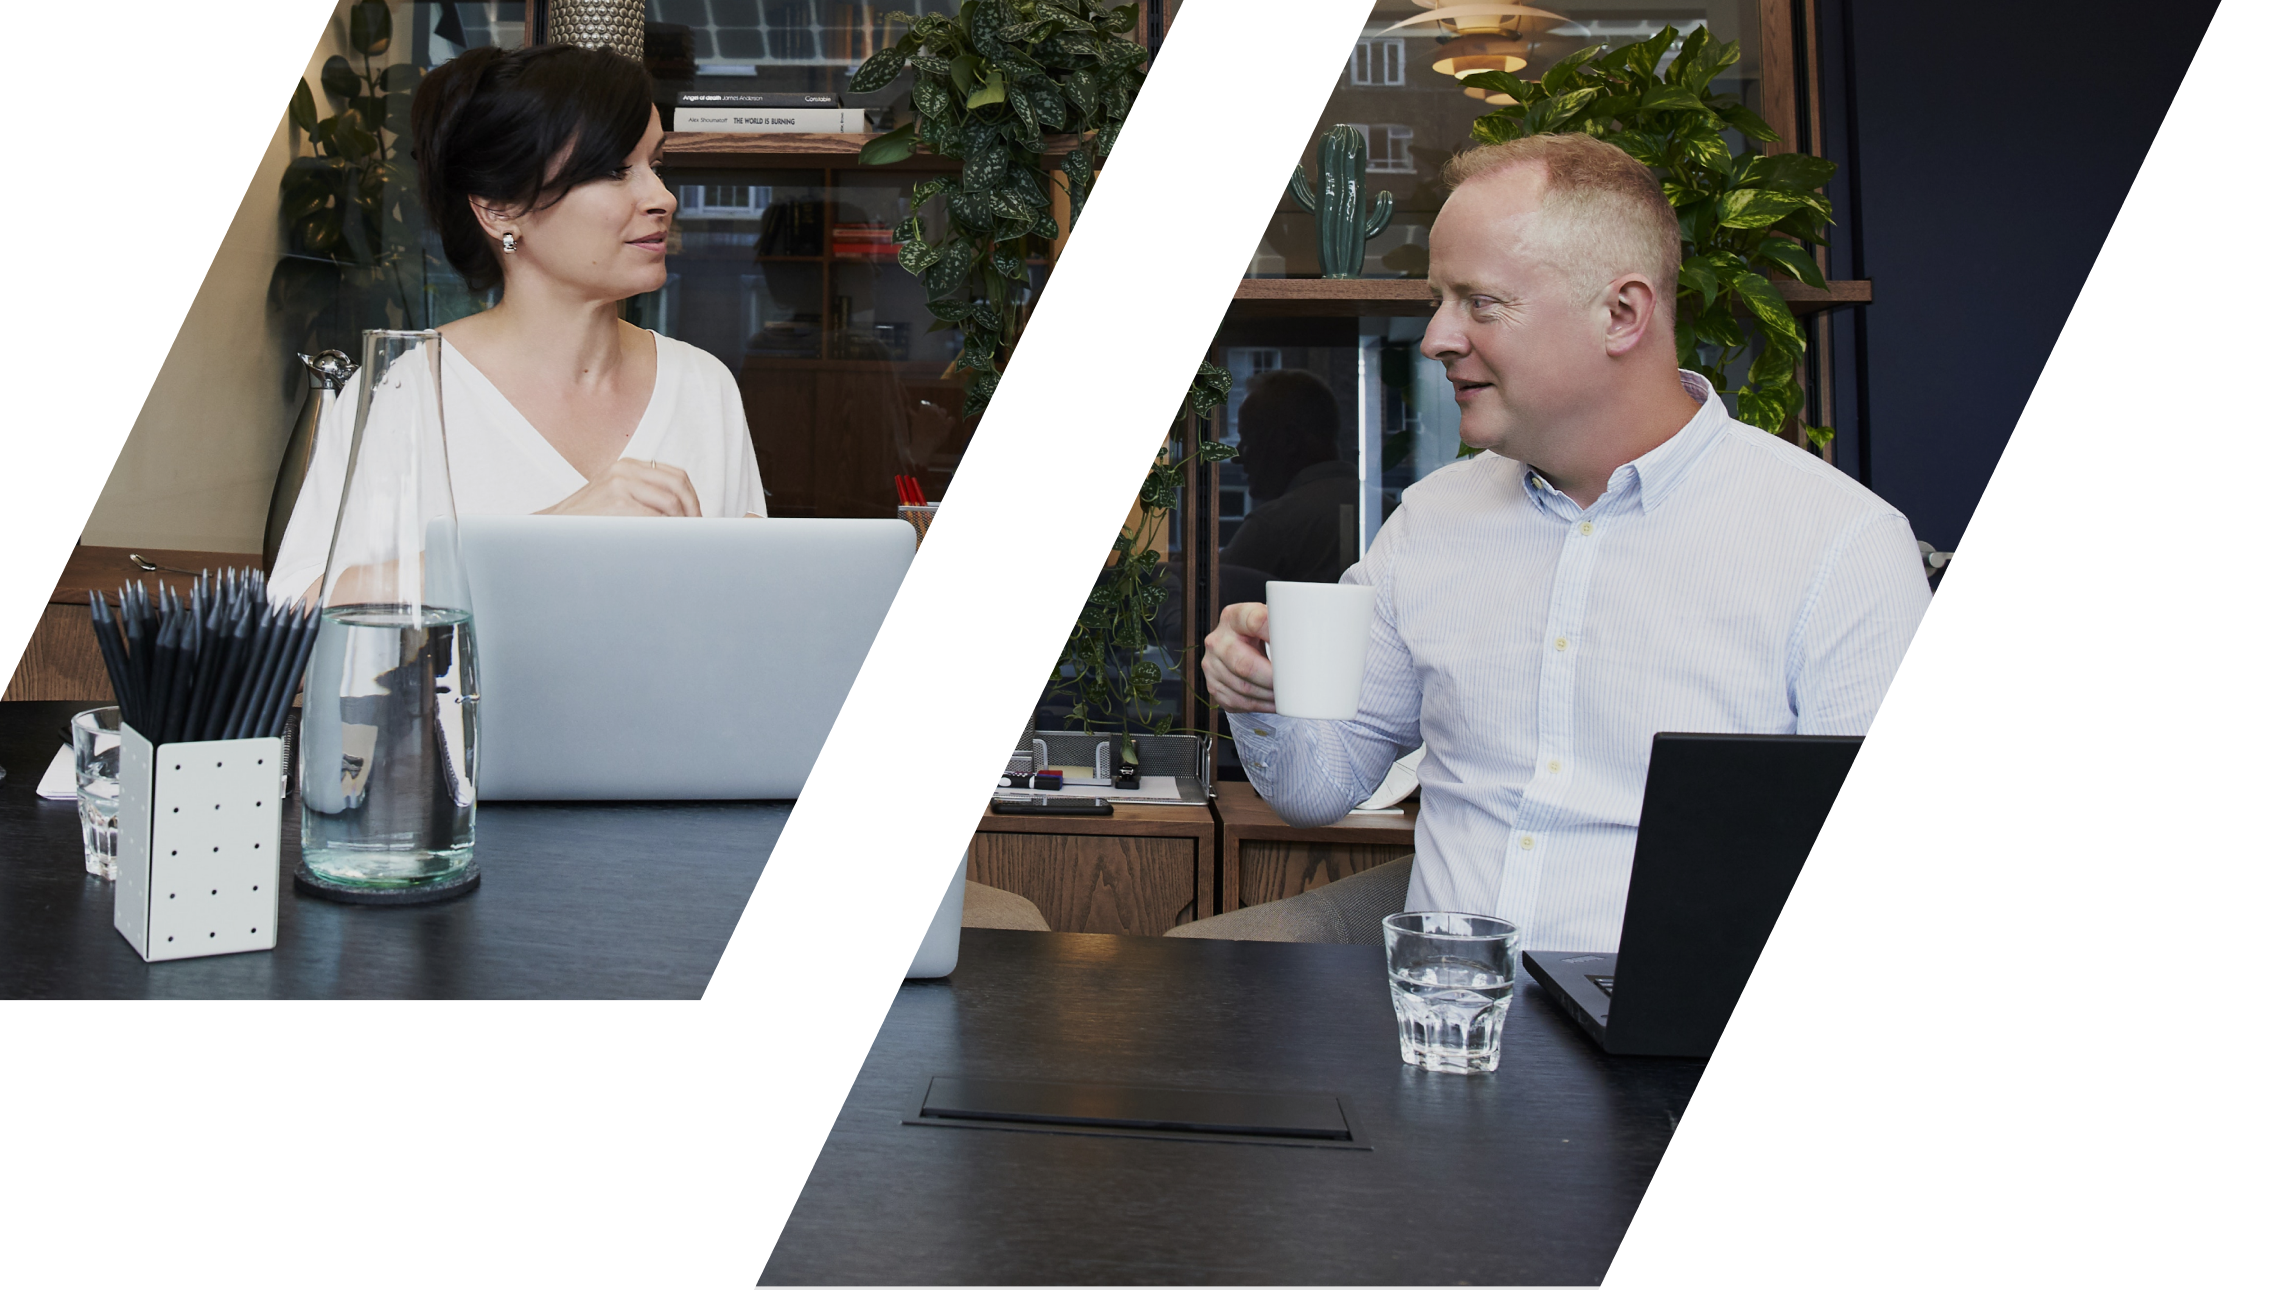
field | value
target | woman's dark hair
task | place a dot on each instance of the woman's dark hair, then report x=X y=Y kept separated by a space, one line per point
x=490 y=123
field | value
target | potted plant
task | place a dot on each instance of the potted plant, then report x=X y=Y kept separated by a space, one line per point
x=353 y=228
x=992 y=85
x=1743 y=214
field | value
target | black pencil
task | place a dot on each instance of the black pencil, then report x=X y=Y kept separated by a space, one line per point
x=253 y=654
x=288 y=682
x=113 y=649
x=139 y=632
x=272 y=636
x=300 y=664
x=114 y=658
x=286 y=639
x=153 y=724
x=205 y=610
x=127 y=684
x=178 y=663
x=230 y=677
x=154 y=691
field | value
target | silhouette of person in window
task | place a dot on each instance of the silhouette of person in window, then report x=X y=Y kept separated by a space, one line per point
x=1305 y=529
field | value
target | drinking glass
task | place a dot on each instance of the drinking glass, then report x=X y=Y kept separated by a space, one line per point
x=94 y=761
x=1450 y=977
x=387 y=751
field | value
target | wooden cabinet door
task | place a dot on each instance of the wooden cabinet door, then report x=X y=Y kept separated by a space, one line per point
x=62 y=660
x=1124 y=886
x=1275 y=870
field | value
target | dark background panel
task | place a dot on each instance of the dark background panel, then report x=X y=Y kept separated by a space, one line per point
x=1986 y=151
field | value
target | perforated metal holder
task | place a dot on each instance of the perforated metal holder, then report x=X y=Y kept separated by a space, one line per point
x=199 y=828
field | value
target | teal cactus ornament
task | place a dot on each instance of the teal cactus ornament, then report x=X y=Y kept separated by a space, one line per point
x=1339 y=202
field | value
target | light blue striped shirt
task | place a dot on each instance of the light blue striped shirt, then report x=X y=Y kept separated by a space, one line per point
x=1726 y=582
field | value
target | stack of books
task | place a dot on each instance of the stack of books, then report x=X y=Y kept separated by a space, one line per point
x=767 y=114
x=863 y=242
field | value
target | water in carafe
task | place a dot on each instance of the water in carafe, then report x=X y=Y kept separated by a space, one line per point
x=389 y=749
x=389 y=793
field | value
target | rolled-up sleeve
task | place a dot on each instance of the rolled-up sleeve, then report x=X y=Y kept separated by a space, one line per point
x=1866 y=605
x=1312 y=771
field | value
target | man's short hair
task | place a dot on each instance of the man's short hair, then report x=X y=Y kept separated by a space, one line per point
x=1604 y=214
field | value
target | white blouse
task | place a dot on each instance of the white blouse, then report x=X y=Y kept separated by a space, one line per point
x=501 y=465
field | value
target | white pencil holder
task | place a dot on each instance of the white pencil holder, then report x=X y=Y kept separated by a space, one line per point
x=199 y=825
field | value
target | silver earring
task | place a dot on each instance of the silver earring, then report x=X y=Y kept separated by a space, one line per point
x=512 y=244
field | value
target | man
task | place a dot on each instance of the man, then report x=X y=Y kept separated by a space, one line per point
x=1624 y=558
x=1305 y=529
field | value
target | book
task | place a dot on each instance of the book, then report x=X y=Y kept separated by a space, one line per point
x=696 y=99
x=870 y=241
x=773 y=120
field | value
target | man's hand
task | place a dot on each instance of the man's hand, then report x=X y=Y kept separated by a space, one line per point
x=629 y=487
x=1237 y=671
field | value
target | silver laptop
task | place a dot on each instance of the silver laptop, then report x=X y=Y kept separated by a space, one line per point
x=669 y=659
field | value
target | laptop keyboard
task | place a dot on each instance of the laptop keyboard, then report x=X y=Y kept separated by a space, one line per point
x=1603 y=983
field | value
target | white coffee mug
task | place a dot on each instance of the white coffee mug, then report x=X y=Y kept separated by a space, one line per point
x=1318 y=635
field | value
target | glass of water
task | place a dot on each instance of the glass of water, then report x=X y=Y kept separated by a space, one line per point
x=1450 y=977
x=94 y=758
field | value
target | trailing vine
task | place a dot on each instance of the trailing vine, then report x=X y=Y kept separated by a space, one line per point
x=992 y=84
x=1112 y=678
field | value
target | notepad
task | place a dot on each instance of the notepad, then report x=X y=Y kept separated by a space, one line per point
x=61 y=781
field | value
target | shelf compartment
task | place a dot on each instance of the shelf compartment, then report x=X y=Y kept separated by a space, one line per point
x=717 y=148
x=1408 y=297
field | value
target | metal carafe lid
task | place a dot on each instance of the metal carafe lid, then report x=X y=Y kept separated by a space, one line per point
x=329 y=369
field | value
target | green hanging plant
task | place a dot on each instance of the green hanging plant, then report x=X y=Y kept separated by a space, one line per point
x=1106 y=666
x=991 y=83
x=1742 y=215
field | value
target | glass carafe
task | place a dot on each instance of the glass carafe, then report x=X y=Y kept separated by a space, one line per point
x=388 y=745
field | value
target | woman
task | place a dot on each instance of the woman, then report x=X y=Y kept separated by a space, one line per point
x=538 y=169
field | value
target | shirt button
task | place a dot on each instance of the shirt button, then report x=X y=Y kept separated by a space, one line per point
x=1554 y=767
x=1561 y=642
x=1526 y=841
x=1587 y=528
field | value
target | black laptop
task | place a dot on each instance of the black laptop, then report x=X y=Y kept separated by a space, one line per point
x=1726 y=822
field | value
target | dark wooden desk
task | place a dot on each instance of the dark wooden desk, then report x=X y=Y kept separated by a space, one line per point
x=1266 y=859
x=62 y=660
x=577 y=900
x=1525 y=1176
x=1137 y=872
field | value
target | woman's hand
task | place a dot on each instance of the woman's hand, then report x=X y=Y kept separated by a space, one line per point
x=630 y=487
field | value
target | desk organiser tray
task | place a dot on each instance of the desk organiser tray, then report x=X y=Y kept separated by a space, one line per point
x=199 y=827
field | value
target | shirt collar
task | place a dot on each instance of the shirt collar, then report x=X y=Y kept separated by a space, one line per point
x=1655 y=473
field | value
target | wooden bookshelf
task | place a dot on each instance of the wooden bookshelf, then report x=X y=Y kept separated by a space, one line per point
x=714 y=148
x=1408 y=297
